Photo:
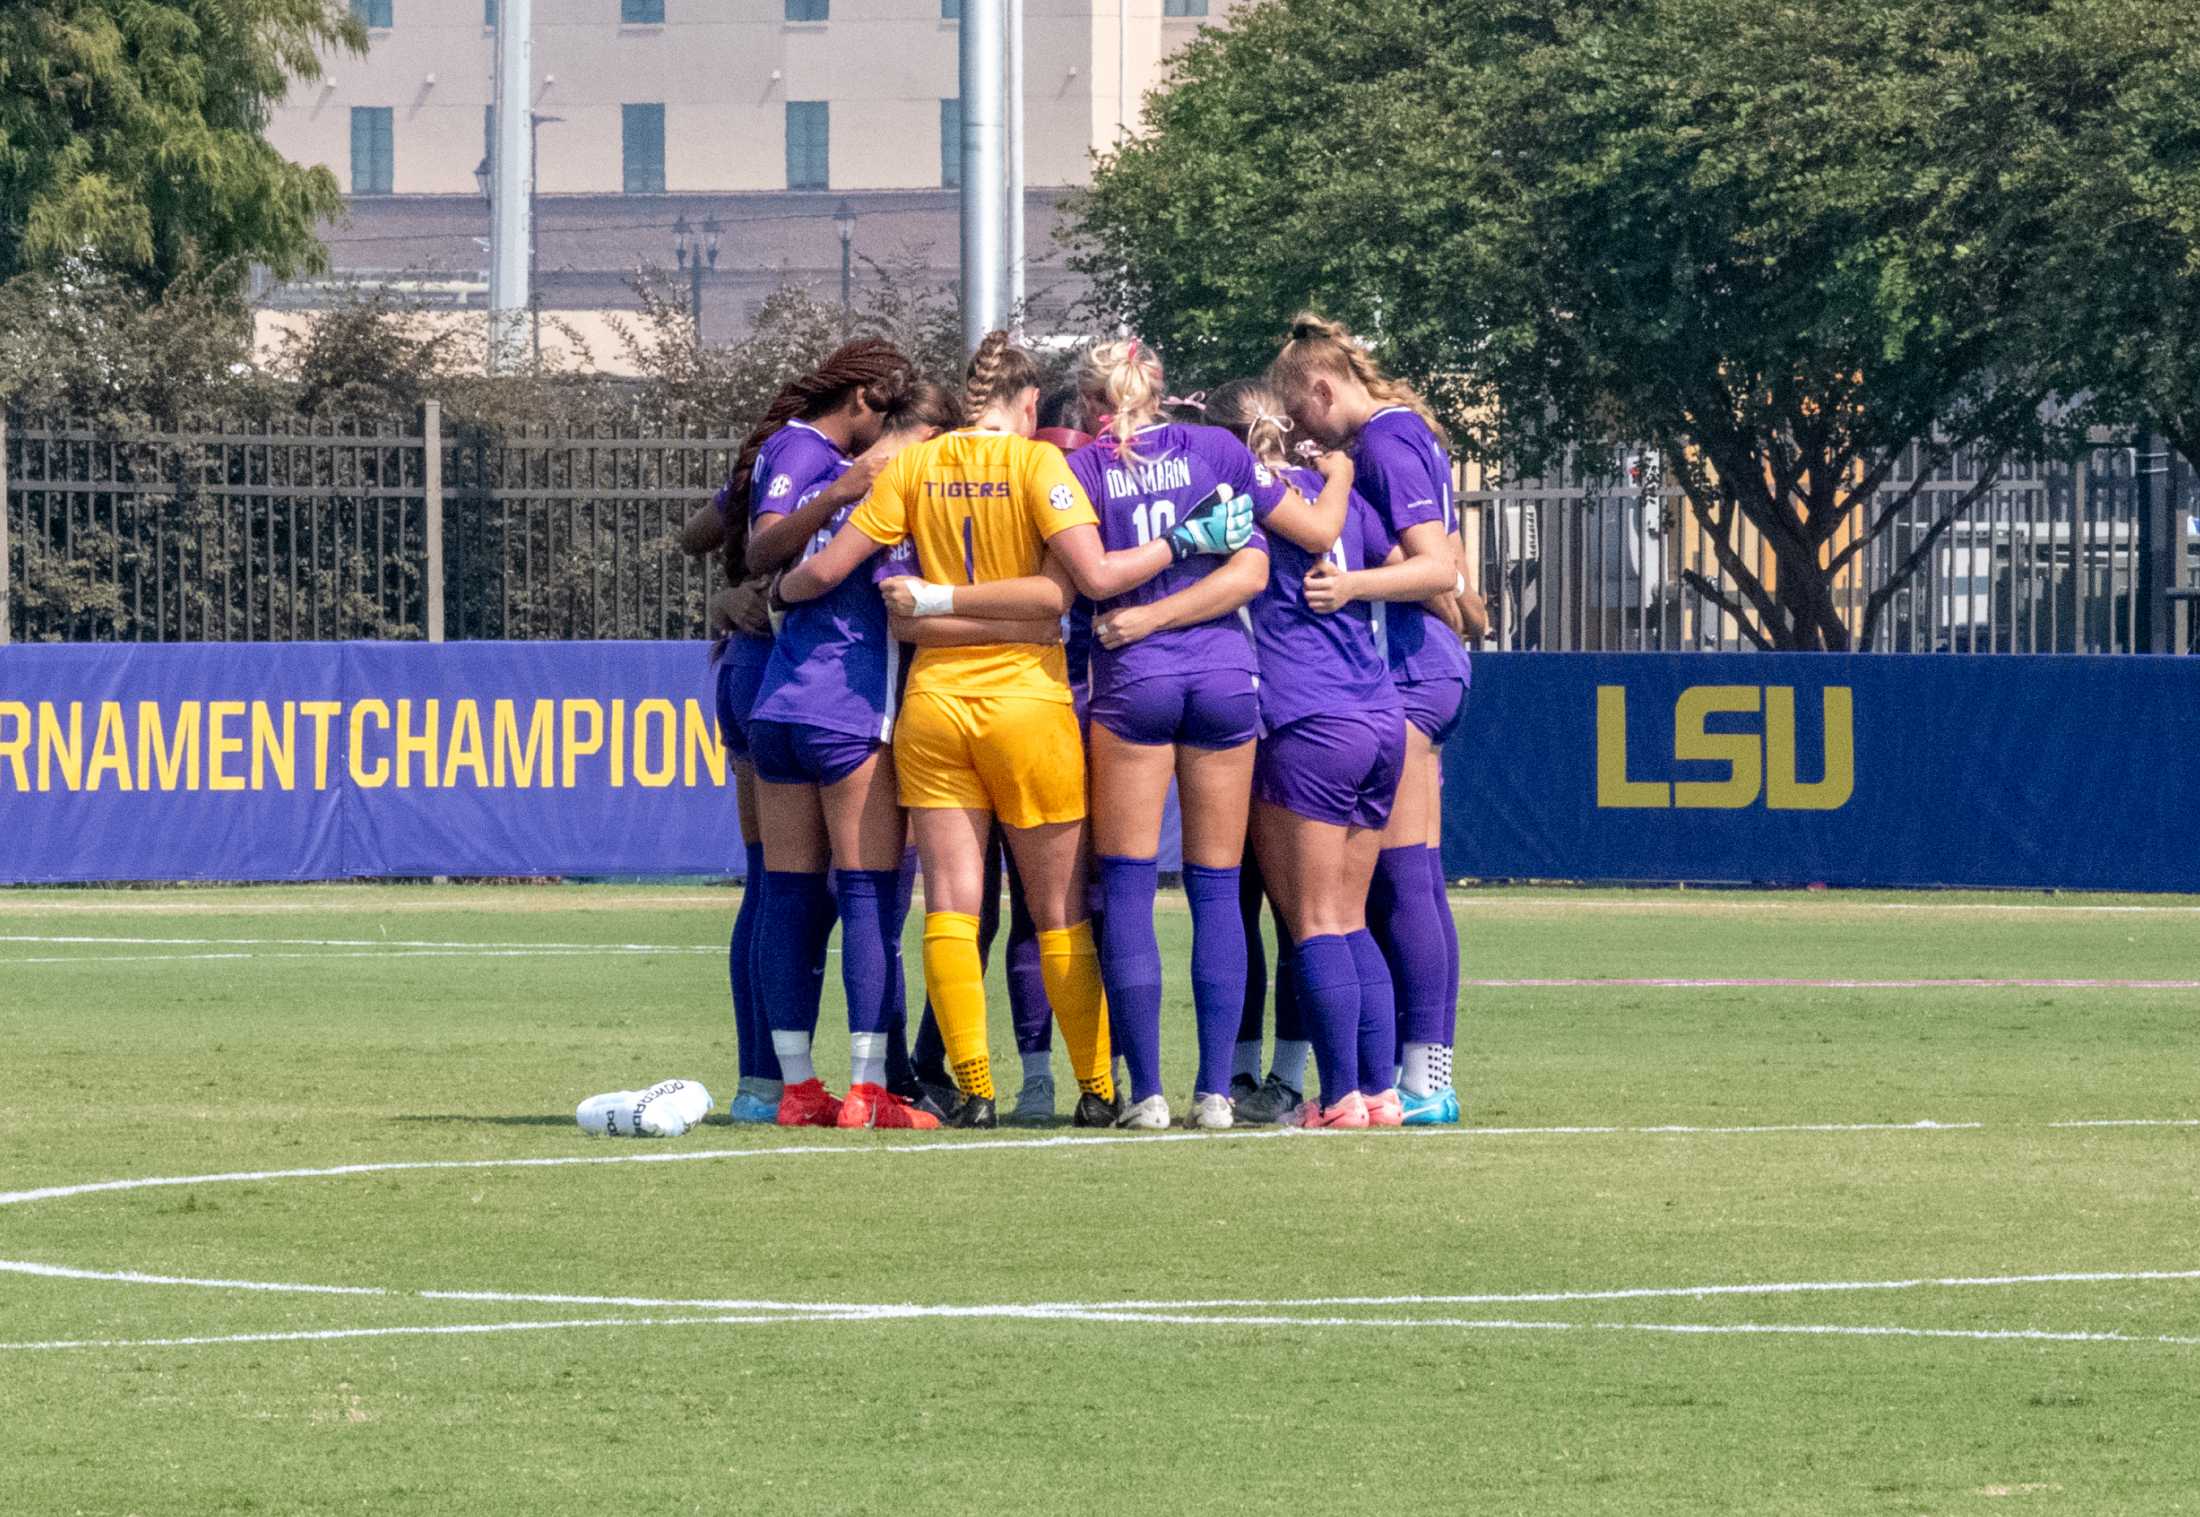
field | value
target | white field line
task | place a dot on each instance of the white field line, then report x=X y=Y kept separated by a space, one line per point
x=1693 y=902
x=61 y=939
x=607 y=951
x=982 y=1145
x=1966 y=983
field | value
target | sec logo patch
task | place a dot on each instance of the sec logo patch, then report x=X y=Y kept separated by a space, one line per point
x=780 y=486
x=1061 y=497
x=1260 y=472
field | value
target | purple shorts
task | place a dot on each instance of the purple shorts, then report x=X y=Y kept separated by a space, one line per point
x=1217 y=708
x=1434 y=707
x=740 y=676
x=1339 y=767
x=796 y=753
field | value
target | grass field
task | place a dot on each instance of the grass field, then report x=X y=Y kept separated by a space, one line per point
x=1739 y=1247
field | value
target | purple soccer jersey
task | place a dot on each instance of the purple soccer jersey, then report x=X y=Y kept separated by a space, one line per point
x=1405 y=474
x=1177 y=468
x=833 y=663
x=1311 y=661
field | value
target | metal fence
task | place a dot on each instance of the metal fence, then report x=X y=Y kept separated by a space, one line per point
x=2052 y=558
x=233 y=531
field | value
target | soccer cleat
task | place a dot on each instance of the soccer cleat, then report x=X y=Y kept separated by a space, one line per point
x=1274 y=1101
x=1093 y=1112
x=751 y=1109
x=1035 y=1102
x=876 y=1106
x=808 y=1104
x=918 y=1097
x=1385 y=1110
x=1149 y=1115
x=1212 y=1112
x=1438 y=1109
x=1350 y=1112
x=942 y=1099
x=1242 y=1086
x=975 y=1112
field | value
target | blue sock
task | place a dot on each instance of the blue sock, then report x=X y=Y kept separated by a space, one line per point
x=1219 y=971
x=1450 y=925
x=747 y=1036
x=1130 y=967
x=1329 y=990
x=1029 y=1011
x=790 y=948
x=1402 y=915
x=867 y=947
x=1378 y=1042
x=756 y=893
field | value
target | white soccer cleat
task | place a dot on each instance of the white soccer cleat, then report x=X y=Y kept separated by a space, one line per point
x=1213 y=1113
x=1149 y=1115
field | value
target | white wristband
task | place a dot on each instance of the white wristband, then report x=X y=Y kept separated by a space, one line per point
x=932 y=600
x=1459 y=585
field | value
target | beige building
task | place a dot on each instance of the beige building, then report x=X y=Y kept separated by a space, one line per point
x=765 y=115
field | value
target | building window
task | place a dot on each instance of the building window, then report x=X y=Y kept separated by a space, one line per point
x=372 y=169
x=951 y=10
x=373 y=12
x=1183 y=7
x=488 y=12
x=951 y=143
x=809 y=10
x=642 y=148
x=642 y=12
x=809 y=133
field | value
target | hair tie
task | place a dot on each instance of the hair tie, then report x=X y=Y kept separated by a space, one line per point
x=1197 y=400
x=1280 y=423
x=1132 y=355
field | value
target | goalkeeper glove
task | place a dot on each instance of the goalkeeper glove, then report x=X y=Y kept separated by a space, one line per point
x=1220 y=524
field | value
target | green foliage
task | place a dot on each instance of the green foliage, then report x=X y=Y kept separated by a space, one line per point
x=132 y=134
x=1778 y=242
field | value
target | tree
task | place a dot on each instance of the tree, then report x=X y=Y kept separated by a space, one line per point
x=1779 y=243
x=132 y=135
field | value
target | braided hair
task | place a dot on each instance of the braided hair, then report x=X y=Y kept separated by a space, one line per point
x=999 y=372
x=853 y=367
x=1317 y=345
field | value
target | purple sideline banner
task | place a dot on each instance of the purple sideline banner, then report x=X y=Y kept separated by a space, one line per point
x=310 y=761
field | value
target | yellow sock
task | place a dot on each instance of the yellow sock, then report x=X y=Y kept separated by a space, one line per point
x=1071 y=967
x=955 y=980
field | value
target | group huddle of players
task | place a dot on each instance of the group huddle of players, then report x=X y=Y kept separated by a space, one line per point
x=951 y=609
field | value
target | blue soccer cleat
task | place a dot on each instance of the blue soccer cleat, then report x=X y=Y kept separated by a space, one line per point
x=751 y=1108
x=1440 y=1109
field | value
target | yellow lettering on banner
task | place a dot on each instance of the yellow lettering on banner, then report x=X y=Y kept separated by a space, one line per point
x=421 y=744
x=1614 y=788
x=1739 y=751
x=110 y=749
x=274 y=748
x=361 y=775
x=1831 y=792
x=13 y=748
x=219 y=744
x=618 y=745
x=572 y=745
x=53 y=747
x=702 y=743
x=321 y=713
x=510 y=758
x=466 y=750
x=156 y=759
x=655 y=776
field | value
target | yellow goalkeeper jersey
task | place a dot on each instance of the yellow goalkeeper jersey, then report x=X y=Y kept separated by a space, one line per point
x=980 y=506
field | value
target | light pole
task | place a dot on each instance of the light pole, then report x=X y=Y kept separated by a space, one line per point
x=485 y=179
x=692 y=259
x=844 y=217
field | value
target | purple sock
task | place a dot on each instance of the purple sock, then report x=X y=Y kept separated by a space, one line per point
x=756 y=896
x=790 y=948
x=867 y=947
x=747 y=1036
x=1450 y=925
x=1251 y=893
x=1330 y=988
x=1029 y=1011
x=1130 y=967
x=1378 y=1041
x=1402 y=914
x=1219 y=971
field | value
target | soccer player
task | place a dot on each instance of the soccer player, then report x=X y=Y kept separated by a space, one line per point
x=1338 y=396
x=1173 y=696
x=1329 y=770
x=988 y=732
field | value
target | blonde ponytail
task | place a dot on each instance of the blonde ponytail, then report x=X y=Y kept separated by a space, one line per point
x=1320 y=346
x=1251 y=410
x=1122 y=384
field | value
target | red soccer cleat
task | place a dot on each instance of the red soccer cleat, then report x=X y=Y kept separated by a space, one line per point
x=809 y=1104
x=876 y=1106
